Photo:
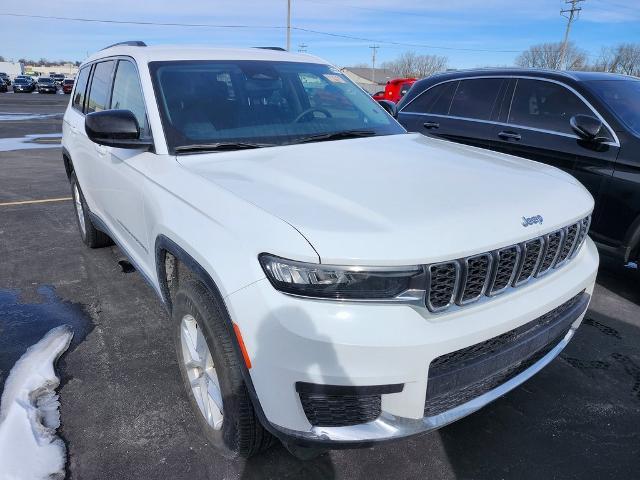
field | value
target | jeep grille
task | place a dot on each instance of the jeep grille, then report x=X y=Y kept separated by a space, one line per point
x=467 y=280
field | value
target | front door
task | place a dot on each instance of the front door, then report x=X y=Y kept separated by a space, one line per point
x=538 y=128
x=122 y=183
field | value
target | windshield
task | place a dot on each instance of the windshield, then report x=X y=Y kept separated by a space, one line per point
x=46 y=80
x=21 y=80
x=623 y=99
x=261 y=103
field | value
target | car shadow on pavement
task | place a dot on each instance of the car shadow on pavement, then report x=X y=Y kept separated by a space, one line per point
x=278 y=463
x=577 y=418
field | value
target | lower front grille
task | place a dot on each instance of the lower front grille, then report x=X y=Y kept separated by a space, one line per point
x=457 y=377
x=340 y=410
x=442 y=403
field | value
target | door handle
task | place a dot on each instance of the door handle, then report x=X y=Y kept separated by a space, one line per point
x=510 y=136
x=73 y=129
x=430 y=125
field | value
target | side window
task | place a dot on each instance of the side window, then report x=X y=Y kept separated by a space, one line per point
x=436 y=100
x=476 y=98
x=127 y=94
x=80 y=92
x=545 y=105
x=100 y=87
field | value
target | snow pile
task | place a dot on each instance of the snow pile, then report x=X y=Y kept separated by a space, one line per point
x=29 y=415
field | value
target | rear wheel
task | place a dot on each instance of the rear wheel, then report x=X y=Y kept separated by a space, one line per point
x=91 y=236
x=212 y=374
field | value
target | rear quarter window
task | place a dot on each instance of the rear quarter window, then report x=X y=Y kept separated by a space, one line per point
x=435 y=100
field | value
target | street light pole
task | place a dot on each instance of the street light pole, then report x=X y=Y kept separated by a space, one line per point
x=288 y=25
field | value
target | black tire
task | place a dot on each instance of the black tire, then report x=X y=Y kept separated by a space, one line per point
x=91 y=236
x=241 y=434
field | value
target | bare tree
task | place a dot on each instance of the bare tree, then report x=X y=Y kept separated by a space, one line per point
x=410 y=64
x=549 y=55
x=623 y=58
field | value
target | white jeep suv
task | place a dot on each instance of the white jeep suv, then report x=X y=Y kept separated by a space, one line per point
x=332 y=280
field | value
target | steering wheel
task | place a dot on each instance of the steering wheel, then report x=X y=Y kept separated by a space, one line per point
x=324 y=111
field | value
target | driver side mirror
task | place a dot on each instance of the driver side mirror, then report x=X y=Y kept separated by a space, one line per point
x=588 y=128
x=115 y=128
x=389 y=106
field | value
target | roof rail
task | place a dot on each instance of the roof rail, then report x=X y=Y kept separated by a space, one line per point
x=278 y=49
x=131 y=43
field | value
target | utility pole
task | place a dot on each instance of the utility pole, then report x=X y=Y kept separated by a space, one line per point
x=574 y=13
x=288 y=25
x=302 y=48
x=374 y=49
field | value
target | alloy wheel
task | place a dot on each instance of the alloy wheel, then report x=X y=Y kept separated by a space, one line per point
x=201 y=371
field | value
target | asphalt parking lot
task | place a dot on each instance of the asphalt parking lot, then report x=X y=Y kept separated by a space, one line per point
x=125 y=415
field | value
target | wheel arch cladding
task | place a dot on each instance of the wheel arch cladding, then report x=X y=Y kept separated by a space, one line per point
x=68 y=164
x=164 y=246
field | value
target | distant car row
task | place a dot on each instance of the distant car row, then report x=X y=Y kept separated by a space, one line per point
x=27 y=84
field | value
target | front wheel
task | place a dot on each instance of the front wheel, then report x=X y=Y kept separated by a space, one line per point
x=212 y=373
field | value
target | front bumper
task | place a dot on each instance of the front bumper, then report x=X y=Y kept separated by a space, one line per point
x=292 y=340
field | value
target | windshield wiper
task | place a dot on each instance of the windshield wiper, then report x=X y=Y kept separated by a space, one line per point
x=214 y=147
x=321 y=137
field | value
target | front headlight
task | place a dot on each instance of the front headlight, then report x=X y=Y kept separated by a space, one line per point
x=341 y=282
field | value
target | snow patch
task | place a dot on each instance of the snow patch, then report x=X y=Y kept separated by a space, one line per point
x=42 y=140
x=29 y=413
x=5 y=116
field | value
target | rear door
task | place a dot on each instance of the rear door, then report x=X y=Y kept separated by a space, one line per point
x=73 y=128
x=537 y=127
x=463 y=111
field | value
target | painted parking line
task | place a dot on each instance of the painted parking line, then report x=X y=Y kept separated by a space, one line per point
x=29 y=202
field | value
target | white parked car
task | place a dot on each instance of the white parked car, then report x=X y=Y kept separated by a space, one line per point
x=331 y=279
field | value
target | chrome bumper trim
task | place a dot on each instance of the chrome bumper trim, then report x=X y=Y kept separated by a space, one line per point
x=389 y=427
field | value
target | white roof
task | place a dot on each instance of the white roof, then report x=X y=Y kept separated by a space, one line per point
x=188 y=52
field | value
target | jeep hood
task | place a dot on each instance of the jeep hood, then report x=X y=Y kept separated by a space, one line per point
x=400 y=199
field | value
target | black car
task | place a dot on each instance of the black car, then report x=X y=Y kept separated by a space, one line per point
x=23 y=85
x=3 y=87
x=47 y=85
x=26 y=77
x=4 y=78
x=585 y=123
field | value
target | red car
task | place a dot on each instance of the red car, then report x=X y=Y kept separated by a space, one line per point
x=67 y=85
x=395 y=89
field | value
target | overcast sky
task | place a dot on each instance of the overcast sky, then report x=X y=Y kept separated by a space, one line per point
x=491 y=31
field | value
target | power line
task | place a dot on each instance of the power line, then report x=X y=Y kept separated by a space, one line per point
x=133 y=22
x=574 y=13
x=272 y=27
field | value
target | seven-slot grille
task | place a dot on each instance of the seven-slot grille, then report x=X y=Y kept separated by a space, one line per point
x=466 y=280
